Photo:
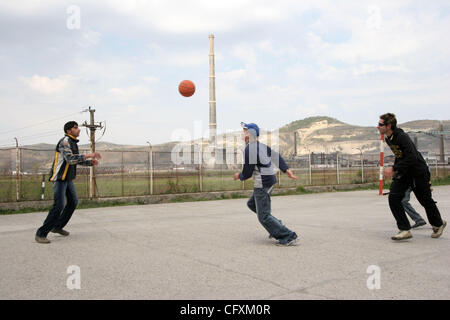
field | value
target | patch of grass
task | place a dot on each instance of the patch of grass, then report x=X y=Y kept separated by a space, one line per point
x=191 y=199
x=299 y=190
x=86 y=204
x=24 y=210
x=238 y=196
x=441 y=181
x=302 y=190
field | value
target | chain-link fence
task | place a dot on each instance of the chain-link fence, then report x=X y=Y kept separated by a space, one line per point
x=24 y=173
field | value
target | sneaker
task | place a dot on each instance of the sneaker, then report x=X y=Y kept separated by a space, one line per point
x=437 y=231
x=402 y=235
x=419 y=224
x=61 y=232
x=41 y=239
x=290 y=242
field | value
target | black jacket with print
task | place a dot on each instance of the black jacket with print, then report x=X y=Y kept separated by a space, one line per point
x=408 y=161
x=66 y=159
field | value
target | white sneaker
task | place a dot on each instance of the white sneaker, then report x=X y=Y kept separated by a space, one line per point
x=402 y=235
x=291 y=242
x=437 y=231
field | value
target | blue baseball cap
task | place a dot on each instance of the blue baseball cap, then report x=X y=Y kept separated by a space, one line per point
x=251 y=126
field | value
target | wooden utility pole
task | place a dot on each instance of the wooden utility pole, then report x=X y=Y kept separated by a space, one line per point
x=92 y=127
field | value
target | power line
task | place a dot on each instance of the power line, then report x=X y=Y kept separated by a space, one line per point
x=40 y=123
x=30 y=138
x=40 y=134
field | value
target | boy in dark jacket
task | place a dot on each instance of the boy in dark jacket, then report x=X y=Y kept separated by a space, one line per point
x=63 y=171
x=409 y=171
x=259 y=160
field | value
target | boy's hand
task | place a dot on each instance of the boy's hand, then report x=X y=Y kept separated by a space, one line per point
x=94 y=162
x=97 y=155
x=236 y=176
x=388 y=172
x=94 y=155
x=291 y=175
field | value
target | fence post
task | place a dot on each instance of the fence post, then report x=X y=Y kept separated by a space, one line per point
x=310 y=169
x=17 y=171
x=362 y=167
x=121 y=170
x=243 y=181
x=87 y=185
x=43 y=187
x=151 y=170
x=176 y=172
x=150 y=163
x=436 y=166
x=148 y=170
x=348 y=169
x=337 y=168
x=200 y=161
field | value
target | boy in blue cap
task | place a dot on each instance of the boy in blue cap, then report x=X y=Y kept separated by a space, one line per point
x=258 y=162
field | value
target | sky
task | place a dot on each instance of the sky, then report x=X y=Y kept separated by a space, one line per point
x=275 y=62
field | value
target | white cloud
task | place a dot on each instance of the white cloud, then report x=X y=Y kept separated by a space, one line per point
x=245 y=53
x=182 y=17
x=364 y=69
x=129 y=93
x=232 y=75
x=28 y=7
x=150 y=79
x=186 y=59
x=89 y=38
x=46 y=85
x=275 y=61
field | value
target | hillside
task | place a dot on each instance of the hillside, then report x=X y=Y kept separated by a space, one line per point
x=314 y=134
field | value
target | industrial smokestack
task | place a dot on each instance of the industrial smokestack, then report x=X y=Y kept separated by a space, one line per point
x=212 y=93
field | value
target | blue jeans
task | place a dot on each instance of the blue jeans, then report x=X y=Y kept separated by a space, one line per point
x=60 y=214
x=260 y=203
x=412 y=213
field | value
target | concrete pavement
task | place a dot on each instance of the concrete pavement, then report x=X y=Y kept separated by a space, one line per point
x=218 y=250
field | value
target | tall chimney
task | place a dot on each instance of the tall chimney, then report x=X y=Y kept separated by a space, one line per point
x=212 y=93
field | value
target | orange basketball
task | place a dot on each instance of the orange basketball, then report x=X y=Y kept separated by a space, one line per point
x=186 y=88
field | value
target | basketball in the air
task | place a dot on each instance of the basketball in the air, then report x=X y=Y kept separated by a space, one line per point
x=186 y=88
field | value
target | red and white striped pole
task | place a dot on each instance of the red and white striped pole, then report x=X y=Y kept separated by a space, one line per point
x=381 y=164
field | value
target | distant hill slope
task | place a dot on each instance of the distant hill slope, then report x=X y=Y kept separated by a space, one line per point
x=308 y=122
x=325 y=134
x=314 y=134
